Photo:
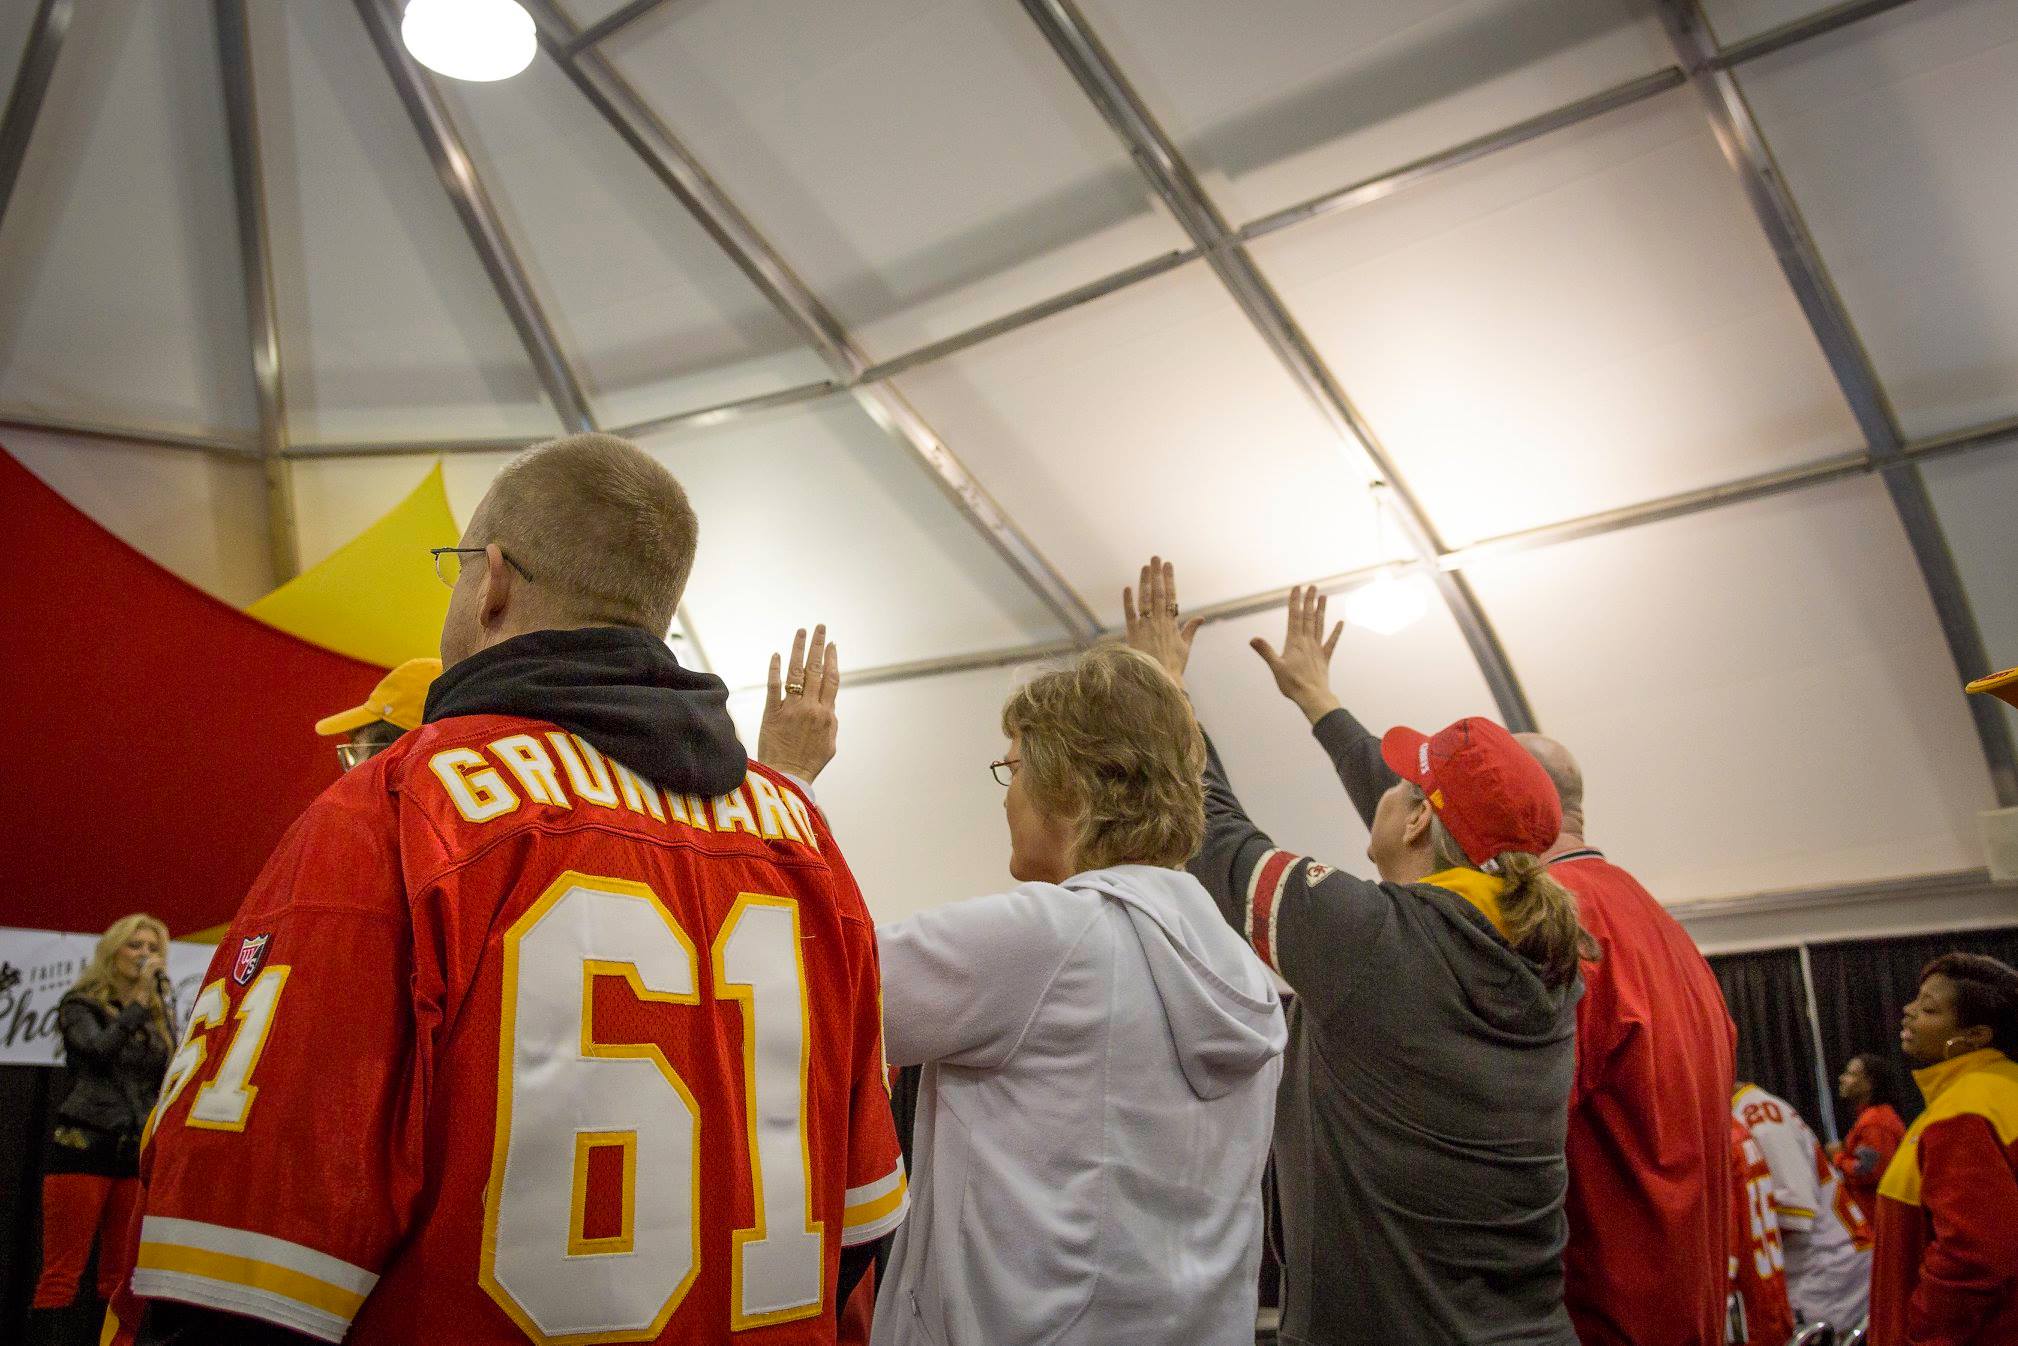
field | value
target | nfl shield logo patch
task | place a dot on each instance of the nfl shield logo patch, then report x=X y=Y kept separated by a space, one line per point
x=251 y=957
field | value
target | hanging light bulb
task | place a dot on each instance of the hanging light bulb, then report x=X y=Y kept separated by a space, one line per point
x=1387 y=603
x=470 y=39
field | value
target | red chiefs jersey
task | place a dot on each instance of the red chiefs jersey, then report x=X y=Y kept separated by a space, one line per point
x=1758 y=1262
x=508 y=1044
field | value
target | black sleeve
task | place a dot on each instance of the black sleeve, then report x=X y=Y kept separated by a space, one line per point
x=1306 y=920
x=1355 y=755
x=86 y=1037
x=855 y=1262
x=168 y=1323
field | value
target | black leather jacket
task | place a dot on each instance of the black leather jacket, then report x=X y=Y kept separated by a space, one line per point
x=116 y=1060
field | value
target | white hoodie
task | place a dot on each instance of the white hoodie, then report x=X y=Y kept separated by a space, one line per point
x=1100 y=1061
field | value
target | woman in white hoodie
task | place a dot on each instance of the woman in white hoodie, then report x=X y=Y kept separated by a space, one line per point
x=1101 y=1050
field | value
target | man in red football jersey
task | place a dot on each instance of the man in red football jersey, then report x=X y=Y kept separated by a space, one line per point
x=555 y=1021
x=1758 y=1260
x=1649 y=1133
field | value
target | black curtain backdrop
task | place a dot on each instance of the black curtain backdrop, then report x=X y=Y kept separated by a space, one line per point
x=1768 y=1004
x=1862 y=987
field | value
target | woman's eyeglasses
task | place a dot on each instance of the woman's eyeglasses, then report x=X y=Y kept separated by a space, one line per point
x=1004 y=771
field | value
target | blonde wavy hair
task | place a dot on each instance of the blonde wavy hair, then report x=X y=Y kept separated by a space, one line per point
x=1540 y=914
x=100 y=978
x=1109 y=742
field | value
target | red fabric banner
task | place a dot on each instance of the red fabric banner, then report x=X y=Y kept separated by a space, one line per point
x=154 y=741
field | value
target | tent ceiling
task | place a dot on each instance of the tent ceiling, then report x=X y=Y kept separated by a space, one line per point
x=1548 y=300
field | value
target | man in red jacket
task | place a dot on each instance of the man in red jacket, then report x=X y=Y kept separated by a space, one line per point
x=1945 y=1272
x=1649 y=1142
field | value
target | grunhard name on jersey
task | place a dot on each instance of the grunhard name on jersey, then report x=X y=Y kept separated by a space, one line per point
x=562 y=770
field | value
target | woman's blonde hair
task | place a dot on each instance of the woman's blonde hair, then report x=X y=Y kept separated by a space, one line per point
x=100 y=978
x=1109 y=742
x=1540 y=914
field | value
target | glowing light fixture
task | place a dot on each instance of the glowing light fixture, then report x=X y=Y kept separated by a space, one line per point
x=1387 y=603
x=470 y=39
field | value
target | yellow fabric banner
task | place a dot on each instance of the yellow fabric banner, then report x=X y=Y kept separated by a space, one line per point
x=376 y=597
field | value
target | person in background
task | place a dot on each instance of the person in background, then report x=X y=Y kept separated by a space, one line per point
x=1419 y=1133
x=117 y=1035
x=1825 y=1233
x=1648 y=1143
x=1100 y=1052
x=1870 y=1087
x=394 y=707
x=1761 y=1314
x=1946 y=1268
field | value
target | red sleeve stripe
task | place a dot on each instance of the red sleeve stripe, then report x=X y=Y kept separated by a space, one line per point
x=1264 y=900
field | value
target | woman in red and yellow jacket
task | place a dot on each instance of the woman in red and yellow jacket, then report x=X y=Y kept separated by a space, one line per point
x=1871 y=1088
x=1946 y=1268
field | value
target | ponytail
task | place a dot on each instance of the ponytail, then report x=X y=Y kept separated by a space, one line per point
x=1539 y=913
x=1541 y=918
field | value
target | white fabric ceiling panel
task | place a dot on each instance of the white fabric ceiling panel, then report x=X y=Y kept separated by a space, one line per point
x=813 y=514
x=120 y=293
x=1895 y=135
x=924 y=165
x=653 y=316
x=197 y=514
x=1589 y=321
x=1759 y=695
x=586 y=12
x=1735 y=20
x=1155 y=420
x=910 y=800
x=389 y=327
x=1976 y=498
x=1422 y=676
x=15 y=21
x=1279 y=101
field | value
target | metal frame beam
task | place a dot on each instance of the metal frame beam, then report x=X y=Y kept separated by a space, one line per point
x=608 y=25
x=682 y=174
x=31 y=84
x=262 y=323
x=1802 y=29
x=1751 y=161
x=1100 y=78
x=118 y=434
x=445 y=149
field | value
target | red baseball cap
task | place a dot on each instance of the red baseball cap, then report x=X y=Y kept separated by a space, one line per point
x=1491 y=795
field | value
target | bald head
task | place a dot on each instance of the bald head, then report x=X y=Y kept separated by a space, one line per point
x=1563 y=770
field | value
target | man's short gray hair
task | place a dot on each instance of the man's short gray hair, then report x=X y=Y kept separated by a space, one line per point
x=606 y=532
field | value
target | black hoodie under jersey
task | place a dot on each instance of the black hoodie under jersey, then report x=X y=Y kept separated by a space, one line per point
x=617 y=687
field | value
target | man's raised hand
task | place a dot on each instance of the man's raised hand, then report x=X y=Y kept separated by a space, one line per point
x=1153 y=625
x=1303 y=669
x=801 y=728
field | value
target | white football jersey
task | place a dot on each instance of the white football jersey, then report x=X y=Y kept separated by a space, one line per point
x=1826 y=1236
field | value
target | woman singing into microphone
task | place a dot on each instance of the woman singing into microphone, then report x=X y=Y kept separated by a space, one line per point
x=116 y=1040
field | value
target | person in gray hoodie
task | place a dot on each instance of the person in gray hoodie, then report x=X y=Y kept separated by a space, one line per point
x=1425 y=1096
x=1101 y=1052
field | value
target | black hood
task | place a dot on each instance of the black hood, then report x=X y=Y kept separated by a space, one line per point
x=618 y=688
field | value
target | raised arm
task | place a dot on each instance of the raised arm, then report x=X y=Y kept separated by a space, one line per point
x=1306 y=920
x=1302 y=672
x=801 y=729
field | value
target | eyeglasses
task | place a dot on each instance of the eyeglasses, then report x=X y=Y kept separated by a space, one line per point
x=448 y=562
x=1004 y=771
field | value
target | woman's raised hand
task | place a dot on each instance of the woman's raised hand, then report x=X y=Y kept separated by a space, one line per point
x=1303 y=668
x=801 y=729
x=1153 y=625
